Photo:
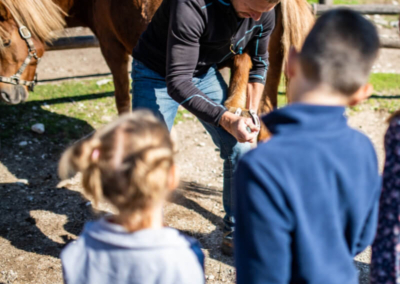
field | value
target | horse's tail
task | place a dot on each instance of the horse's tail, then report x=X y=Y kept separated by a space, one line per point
x=297 y=19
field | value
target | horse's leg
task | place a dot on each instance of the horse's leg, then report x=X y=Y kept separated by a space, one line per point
x=237 y=92
x=269 y=99
x=117 y=59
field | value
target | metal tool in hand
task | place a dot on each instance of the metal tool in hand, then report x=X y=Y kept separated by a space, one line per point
x=254 y=117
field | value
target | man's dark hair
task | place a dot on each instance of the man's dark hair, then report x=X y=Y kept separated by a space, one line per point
x=340 y=51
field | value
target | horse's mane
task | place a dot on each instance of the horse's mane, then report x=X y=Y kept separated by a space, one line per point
x=297 y=22
x=41 y=17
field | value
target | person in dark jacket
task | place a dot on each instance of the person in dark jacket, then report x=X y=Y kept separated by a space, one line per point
x=385 y=258
x=175 y=64
x=386 y=247
x=307 y=200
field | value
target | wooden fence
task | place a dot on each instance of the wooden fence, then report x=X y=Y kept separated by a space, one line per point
x=373 y=9
x=318 y=9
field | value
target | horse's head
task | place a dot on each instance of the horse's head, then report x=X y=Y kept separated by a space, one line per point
x=16 y=47
x=25 y=26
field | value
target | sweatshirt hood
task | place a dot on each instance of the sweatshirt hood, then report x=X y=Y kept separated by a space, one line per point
x=116 y=235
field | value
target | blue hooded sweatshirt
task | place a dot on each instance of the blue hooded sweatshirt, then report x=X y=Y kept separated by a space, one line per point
x=307 y=200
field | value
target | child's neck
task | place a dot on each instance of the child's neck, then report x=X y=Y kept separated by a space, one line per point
x=153 y=220
x=309 y=93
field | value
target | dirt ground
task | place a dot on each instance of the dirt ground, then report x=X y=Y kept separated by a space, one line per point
x=40 y=215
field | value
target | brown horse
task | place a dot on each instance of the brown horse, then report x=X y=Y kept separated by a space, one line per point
x=118 y=25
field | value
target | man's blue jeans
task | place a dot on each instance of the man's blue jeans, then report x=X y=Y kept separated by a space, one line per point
x=150 y=91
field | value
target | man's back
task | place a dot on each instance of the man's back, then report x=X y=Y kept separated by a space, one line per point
x=307 y=199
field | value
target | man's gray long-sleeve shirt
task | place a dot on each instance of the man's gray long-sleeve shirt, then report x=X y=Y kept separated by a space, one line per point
x=186 y=37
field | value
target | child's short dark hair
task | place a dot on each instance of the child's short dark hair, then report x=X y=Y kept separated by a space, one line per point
x=340 y=51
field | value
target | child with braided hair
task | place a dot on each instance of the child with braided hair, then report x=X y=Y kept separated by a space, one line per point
x=130 y=164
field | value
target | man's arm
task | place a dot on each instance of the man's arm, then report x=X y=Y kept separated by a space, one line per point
x=258 y=48
x=263 y=227
x=258 y=51
x=254 y=92
x=186 y=27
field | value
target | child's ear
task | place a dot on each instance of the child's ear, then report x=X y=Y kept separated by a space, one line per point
x=173 y=178
x=291 y=63
x=363 y=93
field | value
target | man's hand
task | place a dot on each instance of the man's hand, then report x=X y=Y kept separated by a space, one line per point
x=237 y=126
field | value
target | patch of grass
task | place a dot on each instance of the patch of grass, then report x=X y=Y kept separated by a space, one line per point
x=385 y=83
x=73 y=109
x=386 y=95
x=69 y=111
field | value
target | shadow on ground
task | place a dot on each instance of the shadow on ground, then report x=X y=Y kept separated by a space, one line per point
x=35 y=166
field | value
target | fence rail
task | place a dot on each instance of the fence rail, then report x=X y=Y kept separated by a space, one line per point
x=91 y=41
x=383 y=9
x=75 y=42
x=372 y=9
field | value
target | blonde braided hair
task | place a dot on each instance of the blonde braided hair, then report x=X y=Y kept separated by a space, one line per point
x=126 y=163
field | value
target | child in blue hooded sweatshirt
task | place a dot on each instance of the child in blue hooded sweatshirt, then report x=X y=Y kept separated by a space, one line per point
x=307 y=199
x=129 y=163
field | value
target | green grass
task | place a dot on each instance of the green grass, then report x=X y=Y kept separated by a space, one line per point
x=69 y=111
x=385 y=97
x=72 y=109
x=385 y=83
